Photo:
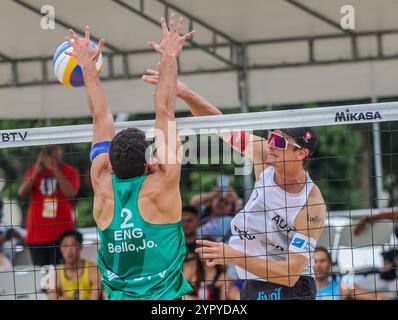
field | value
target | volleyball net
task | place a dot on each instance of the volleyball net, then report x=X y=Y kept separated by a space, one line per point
x=354 y=166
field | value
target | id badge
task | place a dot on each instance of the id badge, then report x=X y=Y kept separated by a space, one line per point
x=50 y=206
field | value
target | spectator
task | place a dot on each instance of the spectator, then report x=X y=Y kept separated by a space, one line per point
x=4 y=261
x=217 y=209
x=190 y=223
x=208 y=283
x=50 y=183
x=382 y=285
x=77 y=279
x=327 y=287
x=204 y=201
x=388 y=215
x=8 y=233
x=218 y=225
x=195 y=270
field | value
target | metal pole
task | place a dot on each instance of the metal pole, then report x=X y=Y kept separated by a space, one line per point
x=378 y=164
x=244 y=107
x=378 y=161
x=122 y=116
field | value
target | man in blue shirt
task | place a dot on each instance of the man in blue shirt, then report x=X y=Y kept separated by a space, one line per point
x=327 y=287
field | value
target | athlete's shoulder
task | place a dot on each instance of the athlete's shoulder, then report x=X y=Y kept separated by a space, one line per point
x=315 y=196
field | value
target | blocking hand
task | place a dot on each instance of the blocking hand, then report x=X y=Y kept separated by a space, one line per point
x=172 y=42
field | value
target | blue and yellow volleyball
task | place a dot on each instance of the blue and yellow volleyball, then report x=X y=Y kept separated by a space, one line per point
x=67 y=69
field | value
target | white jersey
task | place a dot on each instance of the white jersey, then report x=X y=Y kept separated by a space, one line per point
x=264 y=228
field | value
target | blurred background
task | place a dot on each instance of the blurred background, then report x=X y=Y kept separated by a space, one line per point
x=246 y=56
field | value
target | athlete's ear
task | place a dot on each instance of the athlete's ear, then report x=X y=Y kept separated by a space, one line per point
x=303 y=153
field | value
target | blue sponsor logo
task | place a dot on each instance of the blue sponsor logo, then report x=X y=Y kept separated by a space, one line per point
x=275 y=295
x=298 y=243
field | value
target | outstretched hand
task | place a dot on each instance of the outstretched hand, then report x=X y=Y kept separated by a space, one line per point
x=85 y=55
x=152 y=77
x=172 y=43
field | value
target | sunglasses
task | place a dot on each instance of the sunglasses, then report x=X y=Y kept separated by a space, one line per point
x=281 y=142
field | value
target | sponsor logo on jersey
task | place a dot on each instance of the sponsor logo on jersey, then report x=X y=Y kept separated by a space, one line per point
x=243 y=234
x=274 y=295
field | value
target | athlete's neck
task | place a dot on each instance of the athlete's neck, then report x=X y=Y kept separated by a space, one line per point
x=291 y=180
x=78 y=264
x=322 y=283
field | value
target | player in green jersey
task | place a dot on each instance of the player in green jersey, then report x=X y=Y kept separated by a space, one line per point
x=137 y=203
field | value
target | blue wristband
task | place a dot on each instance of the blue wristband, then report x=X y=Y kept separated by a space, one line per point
x=98 y=148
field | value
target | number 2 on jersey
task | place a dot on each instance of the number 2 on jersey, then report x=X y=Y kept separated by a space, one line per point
x=126 y=212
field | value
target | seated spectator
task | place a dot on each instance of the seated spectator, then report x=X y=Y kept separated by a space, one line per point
x=327 y=287
x=190 y=222
x=235 y=284
x=208 y=283
x=14 y=234
x=382 y=285
x=77 y=279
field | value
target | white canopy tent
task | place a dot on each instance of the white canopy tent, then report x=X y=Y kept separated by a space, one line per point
x=245 y=52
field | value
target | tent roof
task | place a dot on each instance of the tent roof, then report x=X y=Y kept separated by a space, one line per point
x=294 y=46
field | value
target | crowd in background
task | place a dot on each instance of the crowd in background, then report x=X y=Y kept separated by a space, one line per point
x=50 y=184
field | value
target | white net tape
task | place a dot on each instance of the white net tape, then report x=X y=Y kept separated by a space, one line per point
x=326 y=116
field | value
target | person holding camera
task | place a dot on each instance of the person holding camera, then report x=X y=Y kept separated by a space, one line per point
x=51 y=184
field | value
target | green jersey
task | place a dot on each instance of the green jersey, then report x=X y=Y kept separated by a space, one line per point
x=140 y=260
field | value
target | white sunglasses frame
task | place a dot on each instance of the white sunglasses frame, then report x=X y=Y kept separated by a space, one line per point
x=287 y=142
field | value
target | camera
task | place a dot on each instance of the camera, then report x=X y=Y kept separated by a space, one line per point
x=47 y=150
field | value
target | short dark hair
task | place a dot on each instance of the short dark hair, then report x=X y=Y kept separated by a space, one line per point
x=326 y=251
x=127 y=153
x=190 y=209
x=72 y=233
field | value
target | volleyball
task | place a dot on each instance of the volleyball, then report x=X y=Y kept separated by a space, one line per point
x=67 y=69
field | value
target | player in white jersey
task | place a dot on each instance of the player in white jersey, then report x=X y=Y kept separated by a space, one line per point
x=277 y=230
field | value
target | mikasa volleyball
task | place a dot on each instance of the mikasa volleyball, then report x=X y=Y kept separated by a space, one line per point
x=66 y=68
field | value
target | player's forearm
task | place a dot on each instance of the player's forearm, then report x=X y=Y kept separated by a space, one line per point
x=95 y=94
x=199 y=199
x=65 y=186
x=360 y=294
x=383 y=216
x=198 y=105
x=25 y=189
x=279 y=272
x=165 y=93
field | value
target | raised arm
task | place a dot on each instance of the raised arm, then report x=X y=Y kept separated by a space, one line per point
x=254 y=147
x=103 y=126
x=167 y=141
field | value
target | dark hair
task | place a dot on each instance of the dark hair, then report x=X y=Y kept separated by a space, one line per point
x=72 y=233
x=127 y=153
x=190 y=209
x=1 y=204
x=324 y=250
